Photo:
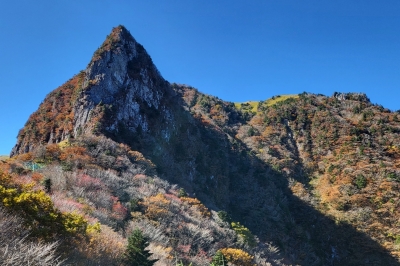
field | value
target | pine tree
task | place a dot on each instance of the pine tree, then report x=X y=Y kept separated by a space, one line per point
x=219 y=259
x=135 y=254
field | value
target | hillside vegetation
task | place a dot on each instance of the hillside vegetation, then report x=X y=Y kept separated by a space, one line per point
x=119 y=167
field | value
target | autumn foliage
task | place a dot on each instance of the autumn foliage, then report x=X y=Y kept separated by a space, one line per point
x=53 y=121
x=198 y=205
x=238 y=257
x=309 y=173
x=38 y=210
x=156 y=206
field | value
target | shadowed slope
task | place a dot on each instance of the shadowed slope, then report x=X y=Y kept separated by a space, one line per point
x=257 y=167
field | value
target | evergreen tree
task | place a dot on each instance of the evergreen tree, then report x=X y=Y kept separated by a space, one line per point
x=135 y=254
x=182 y=193
x=219 y=259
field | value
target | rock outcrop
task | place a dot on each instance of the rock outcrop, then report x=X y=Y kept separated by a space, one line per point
x=121 y=74
x=120 y=80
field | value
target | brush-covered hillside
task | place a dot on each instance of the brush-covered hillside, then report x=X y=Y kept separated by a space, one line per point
x=120 y=167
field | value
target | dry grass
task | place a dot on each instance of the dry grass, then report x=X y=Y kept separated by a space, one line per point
x=4 y=157
x=280 y=98
x=253 y=104
x=274 y=100
x=16 y=249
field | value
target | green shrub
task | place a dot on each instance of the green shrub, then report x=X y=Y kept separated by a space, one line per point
x=244 y=233
x=360 y=181
x=219 y=259
x=135 y=254
x=393 y=176
x=182 y=193
x=134 y=205
x=224 y=216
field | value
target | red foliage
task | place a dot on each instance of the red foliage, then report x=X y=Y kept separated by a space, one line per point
x=53 y=151
x=119 y=212
x=36 y=177
x=67 y=204
x=25 y=157
x=201 y=253
x=75 y=155
x=184 y=248
x=172 y=197
x=89 y=182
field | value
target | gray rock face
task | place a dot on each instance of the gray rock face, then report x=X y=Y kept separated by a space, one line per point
x=362 y=97
x=124 y=77
x=121 y=80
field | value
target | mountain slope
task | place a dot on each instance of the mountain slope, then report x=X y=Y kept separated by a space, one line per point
x=315 y=176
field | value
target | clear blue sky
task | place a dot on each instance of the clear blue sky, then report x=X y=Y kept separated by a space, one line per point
x=236 y=50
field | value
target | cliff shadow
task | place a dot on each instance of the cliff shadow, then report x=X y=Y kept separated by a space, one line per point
x=226 y=175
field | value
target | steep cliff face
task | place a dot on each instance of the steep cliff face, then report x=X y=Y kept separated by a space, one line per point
x=122 y=95
x=120 y=80
x=123 y=75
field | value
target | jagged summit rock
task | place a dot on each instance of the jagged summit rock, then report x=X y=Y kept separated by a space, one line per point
x=121 y=73
x=362 y=97
x=120 y=76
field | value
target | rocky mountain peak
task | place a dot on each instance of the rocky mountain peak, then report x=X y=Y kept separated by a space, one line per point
x=121 y=73
x=120 y=80
x=119 y=38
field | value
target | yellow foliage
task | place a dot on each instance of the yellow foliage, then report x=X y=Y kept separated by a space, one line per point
x=156 y=206
x=74 y=223
x=104 y=245
x=63 y=144
x=138 y=157
x=238 y=257
x=93 y=228
x=38 y=210
x=7 y=195
x=196 y=203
